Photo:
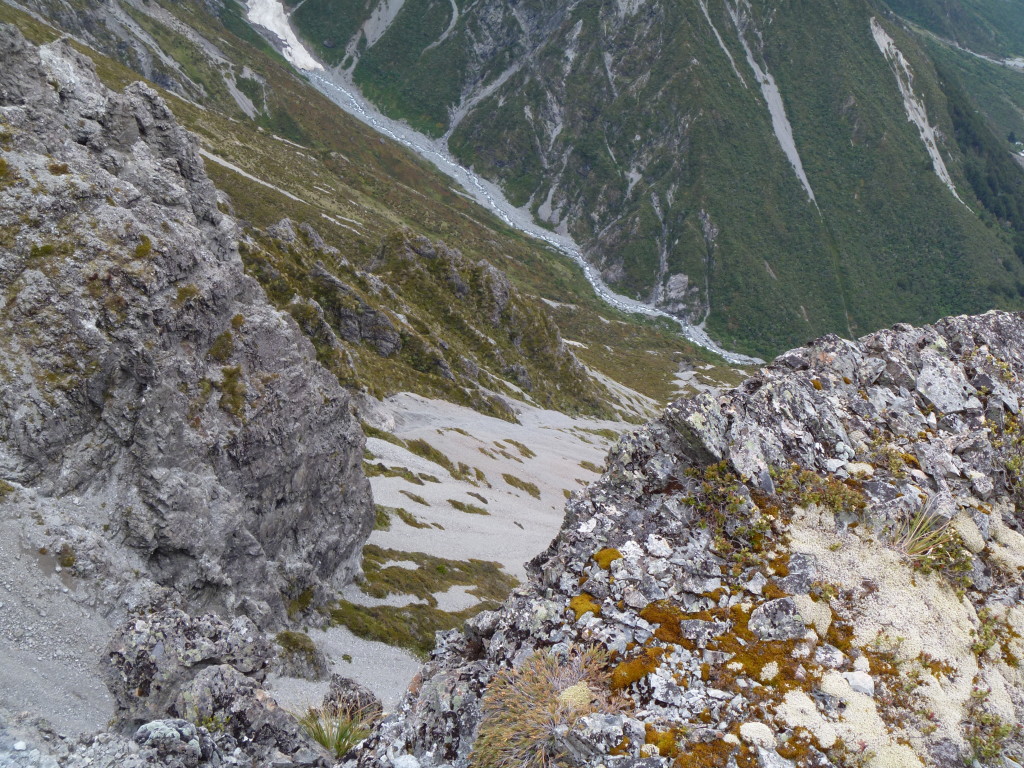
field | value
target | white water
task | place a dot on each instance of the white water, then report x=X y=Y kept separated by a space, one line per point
x=347 y=96
x=339 y=89
x=916 y=112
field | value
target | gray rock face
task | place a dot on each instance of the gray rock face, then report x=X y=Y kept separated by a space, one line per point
x=153 y=656
x=169 y=421
x=682 y=563
x=346 y=695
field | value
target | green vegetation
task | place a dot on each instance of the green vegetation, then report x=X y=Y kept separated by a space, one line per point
x=414 y=497
x=380 y=470
x=988 y=735
x=983 y=26
x=885 y=241
x=297 y=643
x=337 y=731
x=933 y=545
x=374 y=201
x=66 y=557
x=524 y=708
x=382 y=517
x=223 y=347
x=371 y=431
x=232 y=390
x=185 y=294
x=523 y=450
x=522 y=485
x=6 y=489
x=413 y=626
x=591 y=467
x=471 y=509
x=144 y=248
x=300 y=604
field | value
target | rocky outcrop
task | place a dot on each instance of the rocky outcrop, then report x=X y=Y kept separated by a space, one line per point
x=162 y=421
x=821 y=567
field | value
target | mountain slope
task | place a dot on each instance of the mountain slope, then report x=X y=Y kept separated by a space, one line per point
x=167 y=425
x=303 y=158
x=821 y=567
x=754 y=159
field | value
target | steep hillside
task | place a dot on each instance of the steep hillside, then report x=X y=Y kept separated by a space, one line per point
x=993 y=27
x=355 y=202
x=159 y=420
x=758 y=161
x=822 y=567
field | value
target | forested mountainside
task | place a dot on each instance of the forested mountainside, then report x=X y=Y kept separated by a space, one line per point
x=401 y=283
x=784 y=169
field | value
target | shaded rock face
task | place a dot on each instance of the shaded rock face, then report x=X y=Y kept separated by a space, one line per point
x=749 y=564
x=160 y=415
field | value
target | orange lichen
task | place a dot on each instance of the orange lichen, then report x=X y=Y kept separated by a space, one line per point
x=711 y=755
x=667 y=742
x=637 y=668
x=772 y=591
x=584 y=603
x=667 y=616
x=606 y=557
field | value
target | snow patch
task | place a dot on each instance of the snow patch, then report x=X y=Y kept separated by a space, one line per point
x=916 y=112
x=270 y=15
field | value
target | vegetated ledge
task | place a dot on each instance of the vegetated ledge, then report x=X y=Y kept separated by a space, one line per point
x=821 y=567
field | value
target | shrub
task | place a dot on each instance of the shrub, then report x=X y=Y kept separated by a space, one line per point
x=471 y=509
x=223 y=347
x=337 y=731
x=526 y=711
x=522 y=485
x=144 y=248
x=185 y=294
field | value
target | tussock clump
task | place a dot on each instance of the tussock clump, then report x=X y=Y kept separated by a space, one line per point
x=527 y=710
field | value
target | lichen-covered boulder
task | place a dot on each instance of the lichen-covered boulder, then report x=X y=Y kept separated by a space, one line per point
x=152 y=657
x=821 y=567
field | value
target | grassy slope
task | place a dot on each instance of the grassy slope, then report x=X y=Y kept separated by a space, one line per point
x=346 y=171
x=995 y=27
x=891 y=244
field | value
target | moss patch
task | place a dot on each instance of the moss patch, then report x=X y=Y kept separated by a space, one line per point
x=522 y=485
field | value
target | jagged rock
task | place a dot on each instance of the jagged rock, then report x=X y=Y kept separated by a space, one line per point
x=299 y=656
x=240 y=710
x=354 y=319
x=740 y=572
x=777 y=620
x=144 y=375
x=177 y=743
x=153 y=656
x=346 y=695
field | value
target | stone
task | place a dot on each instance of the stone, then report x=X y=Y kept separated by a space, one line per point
x=346 y=695
x=758 y=735
x=176 y=742
x=861 y=682
x=226 y=455
x=154 y=655
x=777 y=620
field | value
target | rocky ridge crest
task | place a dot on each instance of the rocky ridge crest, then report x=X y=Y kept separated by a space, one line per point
x=821 y=567
x=162 y=424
